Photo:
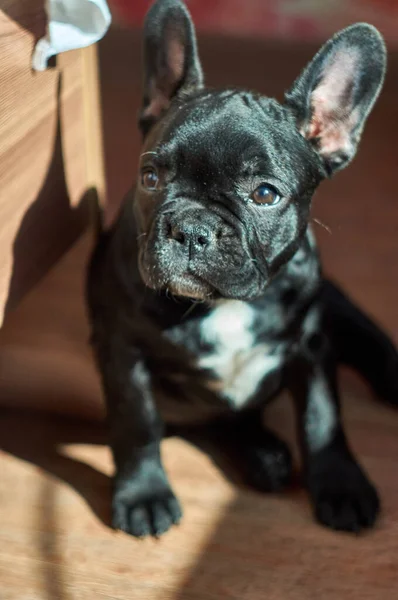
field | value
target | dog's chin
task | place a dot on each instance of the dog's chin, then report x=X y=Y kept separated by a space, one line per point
x=187 y=284
x=184 y=286
x=190 y=287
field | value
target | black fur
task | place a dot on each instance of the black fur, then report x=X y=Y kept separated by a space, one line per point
x=266 y=319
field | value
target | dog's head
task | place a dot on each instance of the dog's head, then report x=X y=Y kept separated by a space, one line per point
x=226 y=177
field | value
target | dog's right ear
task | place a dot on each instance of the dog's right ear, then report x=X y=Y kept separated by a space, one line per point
x=333 y=96
x=171 y=63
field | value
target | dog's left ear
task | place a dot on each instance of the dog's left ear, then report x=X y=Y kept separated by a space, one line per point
x=171 y=62
x=335 y=93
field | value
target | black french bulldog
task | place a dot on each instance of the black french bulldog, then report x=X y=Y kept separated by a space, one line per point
x=207 y=298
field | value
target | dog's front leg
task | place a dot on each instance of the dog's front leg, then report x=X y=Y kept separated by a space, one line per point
x=143 y=502
x=342 y=496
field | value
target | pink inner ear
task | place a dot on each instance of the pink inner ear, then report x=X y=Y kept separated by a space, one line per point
x=171 y=74
x=175 y=59
x=158 y=104
x=333 y=116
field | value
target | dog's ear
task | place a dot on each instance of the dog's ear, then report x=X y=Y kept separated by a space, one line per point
x=335 y=93
x=171 y=63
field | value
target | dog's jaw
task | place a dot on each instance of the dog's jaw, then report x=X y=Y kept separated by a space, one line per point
x=184 y=285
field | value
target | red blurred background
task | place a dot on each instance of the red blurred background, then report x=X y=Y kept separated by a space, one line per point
x=310 y=20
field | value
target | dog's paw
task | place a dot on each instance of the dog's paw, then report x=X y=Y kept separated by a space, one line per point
x=344 y=499
x=268 y=468
x=144 y=515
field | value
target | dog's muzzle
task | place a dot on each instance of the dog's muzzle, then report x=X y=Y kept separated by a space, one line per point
x=197 y=253
x=192 y=234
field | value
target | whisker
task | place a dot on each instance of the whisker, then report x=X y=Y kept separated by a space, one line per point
x=194 y=304
x=188 y=311
x=318 y=222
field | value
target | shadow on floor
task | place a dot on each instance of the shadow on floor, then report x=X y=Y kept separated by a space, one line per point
x=38 y=439
x=261 y=546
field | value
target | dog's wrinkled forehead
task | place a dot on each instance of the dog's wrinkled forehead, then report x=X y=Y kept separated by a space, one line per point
x=231 y=134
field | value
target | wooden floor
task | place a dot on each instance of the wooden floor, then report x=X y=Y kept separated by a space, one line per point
x=233 y=543
x=55 y=540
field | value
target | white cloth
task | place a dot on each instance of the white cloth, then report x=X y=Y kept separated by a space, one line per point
x=71 y=24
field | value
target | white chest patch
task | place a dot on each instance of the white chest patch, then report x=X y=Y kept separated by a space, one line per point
x=237 y=361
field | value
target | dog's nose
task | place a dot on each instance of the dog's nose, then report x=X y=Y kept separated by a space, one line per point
x=192 y=235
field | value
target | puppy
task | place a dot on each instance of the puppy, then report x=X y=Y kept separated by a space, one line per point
x=220 y=219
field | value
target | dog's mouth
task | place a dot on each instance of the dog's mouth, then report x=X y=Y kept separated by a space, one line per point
x=190 y=286
x=184 y=284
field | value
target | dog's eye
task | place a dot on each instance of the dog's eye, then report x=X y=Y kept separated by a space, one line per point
x=149 y=179
x=266 y=195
